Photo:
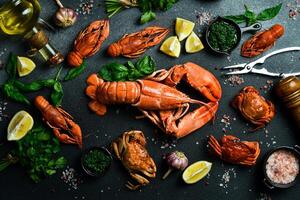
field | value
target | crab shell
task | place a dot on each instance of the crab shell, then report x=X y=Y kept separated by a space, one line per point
x=254 y=108
x=232 y=150
x=130 y=149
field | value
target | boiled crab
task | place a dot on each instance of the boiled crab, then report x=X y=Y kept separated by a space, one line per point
x=130 y=149
x=231 y=149
x=254 y=107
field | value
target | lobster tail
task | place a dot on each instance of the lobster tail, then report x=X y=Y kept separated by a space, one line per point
x=114 y=50
x=74 y=59
x=278 y=30
x=41 y=103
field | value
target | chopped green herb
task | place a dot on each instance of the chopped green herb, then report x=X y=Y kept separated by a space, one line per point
x=96 y=161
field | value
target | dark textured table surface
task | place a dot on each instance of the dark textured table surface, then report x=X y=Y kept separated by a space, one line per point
x=244 y=183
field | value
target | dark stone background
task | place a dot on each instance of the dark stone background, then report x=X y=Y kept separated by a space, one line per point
x=15 y=183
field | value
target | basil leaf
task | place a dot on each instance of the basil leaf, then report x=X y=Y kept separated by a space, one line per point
x=250 y=16
x=113 y=72
x=29 y=87
x=146 y=65
x=57 y=94
x=11 y=66
x=13 y=93
x=73 y=73
x=147 y=17
x=269 y=13
x=237 y=18
x=48 y=83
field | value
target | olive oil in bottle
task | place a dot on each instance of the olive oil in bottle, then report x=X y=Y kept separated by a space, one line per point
x=17 y=17
x=20 y=17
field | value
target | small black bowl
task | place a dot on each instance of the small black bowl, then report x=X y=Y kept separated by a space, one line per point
x=267 y=181
x=88 y=171
x=239 y=32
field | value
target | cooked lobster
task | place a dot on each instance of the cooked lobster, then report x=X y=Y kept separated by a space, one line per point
x=159 y=100
x=135 y=44
x=254 y=107
x=130 y=149
x=232 y=150
x=64 y=128
x=262 y=41
x=88 y=42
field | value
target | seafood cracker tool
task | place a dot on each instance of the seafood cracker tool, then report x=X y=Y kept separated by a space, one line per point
x=249 y=67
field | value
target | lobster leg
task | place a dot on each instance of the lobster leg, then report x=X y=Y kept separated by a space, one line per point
x=62 y=137
x=214 y=144
x=191 y=121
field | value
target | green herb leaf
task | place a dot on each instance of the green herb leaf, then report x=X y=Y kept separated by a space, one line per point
x=250 y=16
x=73 y=73
x=113 y=72
x=11 y=66
x=146 y=65
x=147 y=17
x=237 y=18
x=57 y=94
x=269 y=13
x=13 y=93
x=29 y=87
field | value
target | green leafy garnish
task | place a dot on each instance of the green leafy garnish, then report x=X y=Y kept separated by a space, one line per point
x=15 y=89
x=120 y=72
x=73 y=73
x=37 y=152
x=147 y=7
x=249 y=17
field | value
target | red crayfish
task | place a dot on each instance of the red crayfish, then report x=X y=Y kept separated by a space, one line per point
x=134 y=44
x=262 y=41
x=60 y=121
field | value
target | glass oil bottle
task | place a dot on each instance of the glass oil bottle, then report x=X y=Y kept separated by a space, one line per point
x=20 y=18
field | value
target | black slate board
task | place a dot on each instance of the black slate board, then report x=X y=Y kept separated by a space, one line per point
x=15 y=183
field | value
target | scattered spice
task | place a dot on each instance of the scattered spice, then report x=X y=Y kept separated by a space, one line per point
x=234 y=80
x=85 y=7
x=3 y=106
x=71 y=177
x=226 y=121
x=203 y=17
x=268 y=86
x=264 y=196
x=294 y=9
x=226 y=177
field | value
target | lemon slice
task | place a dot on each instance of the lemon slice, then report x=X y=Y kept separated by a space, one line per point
x=196 y=171
x=19 y=126
x=171 y=47
x=25 y=66
x=183 y=28
x=193 y=44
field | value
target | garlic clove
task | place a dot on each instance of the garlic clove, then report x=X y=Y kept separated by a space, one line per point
x=65 y=17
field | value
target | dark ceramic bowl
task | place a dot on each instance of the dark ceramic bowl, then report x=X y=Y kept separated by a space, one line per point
x=267 y=181
x=239 y=32
x=87 y=170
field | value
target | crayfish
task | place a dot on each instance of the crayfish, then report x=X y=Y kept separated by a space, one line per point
x=159 y=100
x=231 y=149
x=262 y=41
x=134 y=44
x=64 y=128
x=130 y=150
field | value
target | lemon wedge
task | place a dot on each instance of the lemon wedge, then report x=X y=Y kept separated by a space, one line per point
x=25 y=66
x=193 y=44
x=183 y=28
x=196 y=171
x=19 y=125
x=171 y=47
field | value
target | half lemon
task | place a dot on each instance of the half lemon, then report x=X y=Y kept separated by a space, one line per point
x=183 y=28
x=171 y=46
x=196 y=171
x=25 y=66
x=19 y=125
x=193 y=44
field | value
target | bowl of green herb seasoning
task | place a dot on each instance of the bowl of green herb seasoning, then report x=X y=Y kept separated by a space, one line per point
x=96 y=161
x=223 y=35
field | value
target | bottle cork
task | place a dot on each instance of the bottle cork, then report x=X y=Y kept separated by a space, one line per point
x=288 y=91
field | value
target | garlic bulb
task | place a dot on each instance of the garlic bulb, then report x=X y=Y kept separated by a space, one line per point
x=64 y=17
